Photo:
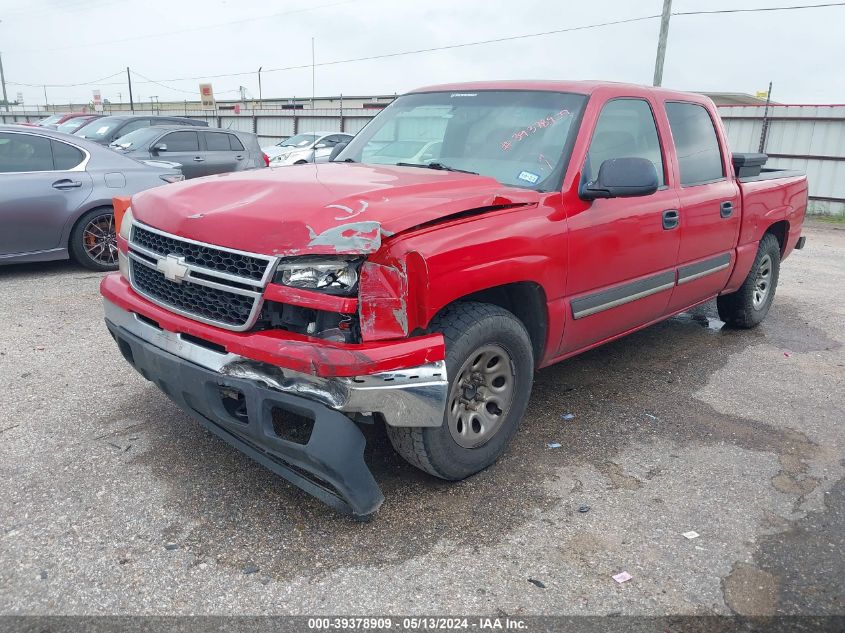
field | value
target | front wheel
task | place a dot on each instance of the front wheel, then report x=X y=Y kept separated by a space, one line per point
x=490 y=365
x=93 y=241
x=748 y=306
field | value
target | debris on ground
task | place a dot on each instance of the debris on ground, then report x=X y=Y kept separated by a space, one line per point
x=171 y=546
x=567 y=416
x=787 y=354
x=43 y=575
x=653 y=417
x=553 y=445
x=250 y=569
x=622 y=576
x=691 y=534
x=584 y=509
x=538 y=583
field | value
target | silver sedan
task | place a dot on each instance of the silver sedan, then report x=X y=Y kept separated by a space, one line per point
x=56 y=196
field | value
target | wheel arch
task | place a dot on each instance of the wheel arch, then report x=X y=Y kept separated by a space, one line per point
x=780 y=230
x=526 y=300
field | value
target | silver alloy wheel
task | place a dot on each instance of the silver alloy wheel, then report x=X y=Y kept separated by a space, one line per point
x=99 y=239
x=481 y=396
x=763 y=282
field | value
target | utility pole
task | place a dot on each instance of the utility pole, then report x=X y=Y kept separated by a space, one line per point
x=129 y=79
x=3 y=81
x=313 y=73
x=661 y=42
x=46 y=103
x=259 y=84
x=764 y=132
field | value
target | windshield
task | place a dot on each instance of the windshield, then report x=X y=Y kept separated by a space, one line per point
x=98 y=129
x=519 y=137
x=136 y=138
x=50 y=120
x=300 y=140
x=69 y=127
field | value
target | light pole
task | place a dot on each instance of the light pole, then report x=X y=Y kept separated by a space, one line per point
x=661 y=42
x=259 y=84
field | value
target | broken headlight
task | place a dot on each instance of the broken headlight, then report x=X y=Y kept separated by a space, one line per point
x=333 y=275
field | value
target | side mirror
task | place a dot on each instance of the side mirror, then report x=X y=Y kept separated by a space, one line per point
x=622 y=178
x=159 y=147
x=337 y=150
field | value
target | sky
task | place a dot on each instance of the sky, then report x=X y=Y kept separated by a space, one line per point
x=183 y=43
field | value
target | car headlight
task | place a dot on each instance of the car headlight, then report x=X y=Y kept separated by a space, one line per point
x=327 y=274
x=280 y=157
x=126 y=223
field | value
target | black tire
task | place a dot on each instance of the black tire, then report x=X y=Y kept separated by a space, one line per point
x=468 y=328
x=301 y=162
x=746 y=308
x=82 y=238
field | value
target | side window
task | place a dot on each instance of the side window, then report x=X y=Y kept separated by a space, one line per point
x=337 y=138
x=625 y=129
x=25 y=152
x=215 y=142
x=235 y=143
x=66 y=156
x=699 y=157
x=132 y=126
x=181 y=142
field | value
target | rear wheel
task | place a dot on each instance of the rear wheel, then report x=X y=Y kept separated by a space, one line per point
x=93 y=241
x=490 y=365
x=748 y=306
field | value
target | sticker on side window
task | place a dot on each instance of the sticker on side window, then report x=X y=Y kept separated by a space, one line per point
x=527 y=176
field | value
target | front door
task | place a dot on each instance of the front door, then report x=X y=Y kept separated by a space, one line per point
x=623 y=251
x=183 y=147
x=709 y=206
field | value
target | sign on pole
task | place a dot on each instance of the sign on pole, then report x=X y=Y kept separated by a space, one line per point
x=19 y=98
x=207 y=96
x=98 y=101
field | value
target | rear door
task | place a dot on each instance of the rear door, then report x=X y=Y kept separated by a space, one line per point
x=709 y=201
x=622 y=250
x=218 y=153
x=42 y=184
x=183 y=147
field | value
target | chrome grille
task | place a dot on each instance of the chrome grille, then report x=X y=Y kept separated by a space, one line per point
x=206 y=283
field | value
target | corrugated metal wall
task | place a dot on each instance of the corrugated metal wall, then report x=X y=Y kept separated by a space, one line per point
x=806 y=137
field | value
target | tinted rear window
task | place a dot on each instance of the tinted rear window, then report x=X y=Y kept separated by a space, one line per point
x=66 y=157
x=217 y=142
x=235 y=143
x=699 y=157
x=24 y=152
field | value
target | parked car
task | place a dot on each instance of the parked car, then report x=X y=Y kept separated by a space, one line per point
x=56 y=196
x=71 y=125
x=283 y=307
x=110 y=128
x=313 y=147
x=199 y=152
x=55 y=120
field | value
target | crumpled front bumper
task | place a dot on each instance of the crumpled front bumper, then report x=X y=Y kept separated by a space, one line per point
x=206 y=381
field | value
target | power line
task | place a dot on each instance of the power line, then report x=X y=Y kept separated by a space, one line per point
x=786 y=8
x=440 y=48
x=84 y=83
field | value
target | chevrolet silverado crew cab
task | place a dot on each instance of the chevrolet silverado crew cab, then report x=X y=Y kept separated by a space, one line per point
x=522 y=223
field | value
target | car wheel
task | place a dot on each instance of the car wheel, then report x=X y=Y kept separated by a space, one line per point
x=748 y=306
x=301 y=162
x=490 y=366
x=93 y=241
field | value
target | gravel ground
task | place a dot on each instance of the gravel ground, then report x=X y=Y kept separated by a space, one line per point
x=113 y=501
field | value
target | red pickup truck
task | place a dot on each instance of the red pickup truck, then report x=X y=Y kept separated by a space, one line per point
x=467 y=236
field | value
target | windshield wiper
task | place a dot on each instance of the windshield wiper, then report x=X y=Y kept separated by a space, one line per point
x=439 y=166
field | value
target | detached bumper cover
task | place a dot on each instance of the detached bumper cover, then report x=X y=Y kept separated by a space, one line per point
x=329 y=466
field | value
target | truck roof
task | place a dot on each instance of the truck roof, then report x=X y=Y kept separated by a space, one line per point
x=580 y=87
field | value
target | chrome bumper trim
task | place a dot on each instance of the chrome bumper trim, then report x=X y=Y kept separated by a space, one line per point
x=410 y=397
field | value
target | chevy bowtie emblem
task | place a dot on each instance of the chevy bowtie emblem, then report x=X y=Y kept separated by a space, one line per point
x=173 y=268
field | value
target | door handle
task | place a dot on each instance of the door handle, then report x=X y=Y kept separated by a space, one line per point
x=67 y=184
x=726 y=209
x=239 y=157
x=199 y=159
x=671 y=219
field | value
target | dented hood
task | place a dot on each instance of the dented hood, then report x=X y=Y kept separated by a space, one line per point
x=317 y=209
